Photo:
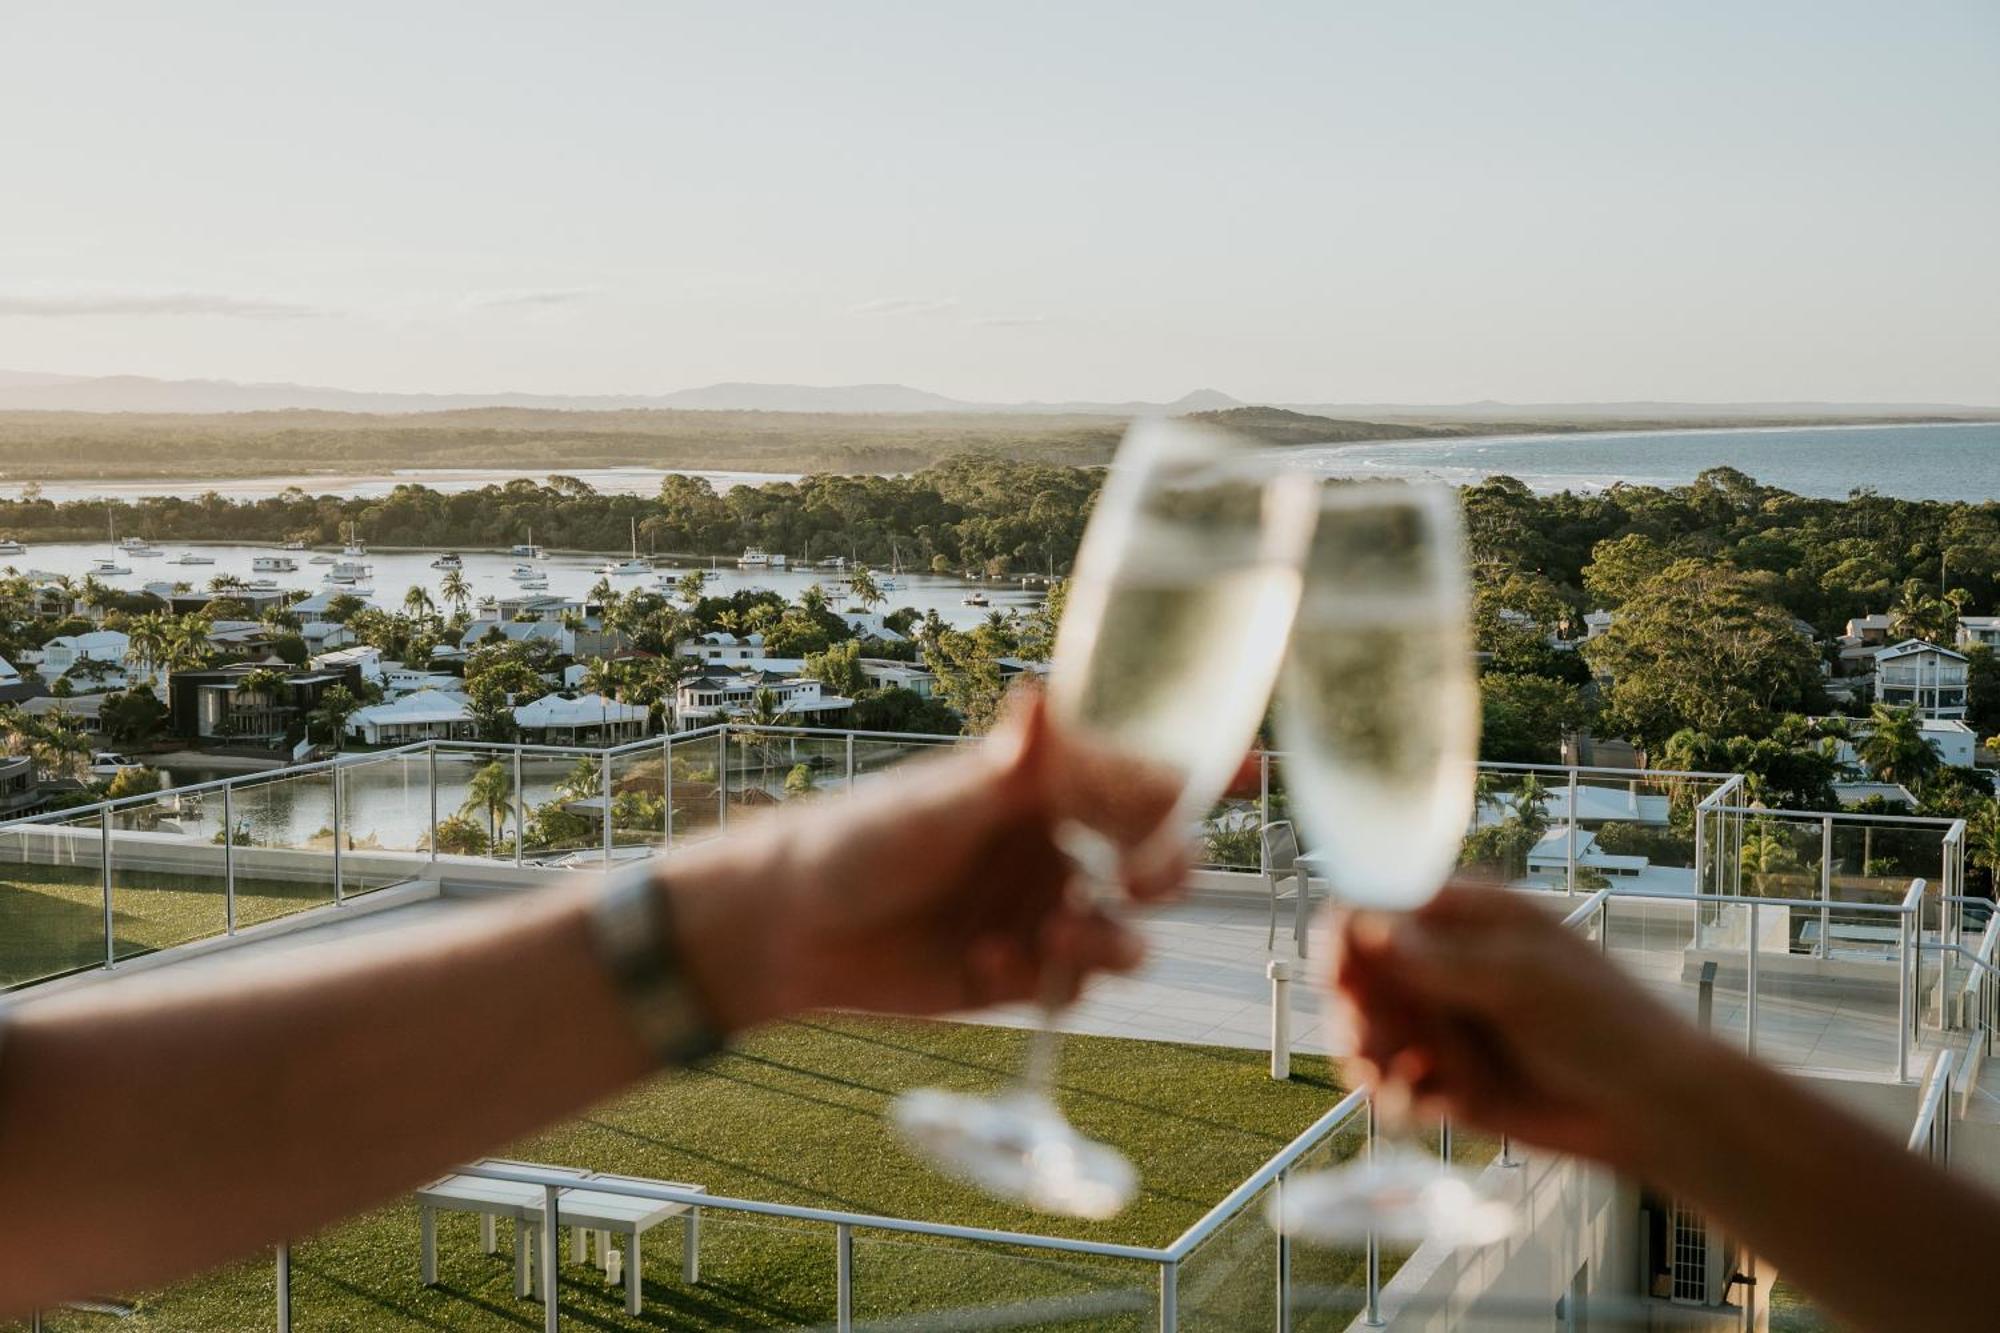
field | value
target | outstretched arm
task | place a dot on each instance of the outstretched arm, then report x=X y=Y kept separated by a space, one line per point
x=285 y=1094
x=1482 y=1006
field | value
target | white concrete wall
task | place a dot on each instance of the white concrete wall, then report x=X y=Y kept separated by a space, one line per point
x=1575 y=1215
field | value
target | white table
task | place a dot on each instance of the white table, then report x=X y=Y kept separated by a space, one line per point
x=580 y=1208
x=491 y=1200
x=586 y=1211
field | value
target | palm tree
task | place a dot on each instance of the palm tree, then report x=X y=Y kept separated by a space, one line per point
x=491 y=792
x=335 y=707
x=455 y=589
x=1895 y=749
x=690 y=587
x=1983 y=840
x=417 y=603
x=147 y=637
x=866 y=591
x=187 y=642
x=813 y=599
x=1766 y=856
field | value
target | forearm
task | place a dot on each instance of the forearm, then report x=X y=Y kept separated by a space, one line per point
x=1786 y=1172
x=288 y=1093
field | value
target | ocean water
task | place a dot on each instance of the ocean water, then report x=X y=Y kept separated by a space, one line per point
x=1960 y=461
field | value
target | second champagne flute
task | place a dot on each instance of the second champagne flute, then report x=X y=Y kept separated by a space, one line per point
x=1378 y=725
x=1176 y=621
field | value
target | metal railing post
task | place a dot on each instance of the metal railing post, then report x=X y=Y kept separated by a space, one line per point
x=339 y=895
x=850 y=761
x=1263 y=808
x=431 y=768
x=1444 y=1140
x=1373 y=1319
x=1170 y=1297
x=284 y=1280
x=1284 y=1273
x=722 y=779
x=104 y=865
x=1750 y=987
x=228 y=861
x=667 y=788
x=1826 y=885
x=520 y=809
x=1569 y=868
x=551 y=1256
x=1903 y=998
x=604 y=766
x=843 y=1278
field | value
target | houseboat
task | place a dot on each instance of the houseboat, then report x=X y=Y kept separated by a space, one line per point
x=756 y=557
x=273 y=564
x=449 y=560
x=527 y=550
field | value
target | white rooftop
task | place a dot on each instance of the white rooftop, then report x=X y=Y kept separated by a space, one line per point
x=586 y=710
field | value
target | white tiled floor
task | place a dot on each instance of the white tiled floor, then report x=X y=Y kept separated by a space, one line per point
x=1205 y=981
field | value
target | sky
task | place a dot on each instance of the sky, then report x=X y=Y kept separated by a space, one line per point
x=1290 y=202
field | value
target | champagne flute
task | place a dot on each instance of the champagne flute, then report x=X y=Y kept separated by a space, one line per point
x=1378 y=725
x=1184 y=591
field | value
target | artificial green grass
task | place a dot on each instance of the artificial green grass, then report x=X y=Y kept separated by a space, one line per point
x=797 y=1116
x=52 y=917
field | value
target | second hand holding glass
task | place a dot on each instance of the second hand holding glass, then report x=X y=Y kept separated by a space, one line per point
x=1177 y=617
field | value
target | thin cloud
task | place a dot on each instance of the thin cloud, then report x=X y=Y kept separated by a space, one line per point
x=72 y=305
x=902 y=305
x=1010 y=321
x=542 y=296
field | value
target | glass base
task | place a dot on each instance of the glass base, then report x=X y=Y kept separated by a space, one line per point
x=1017 y=1147
x=1402 y=1196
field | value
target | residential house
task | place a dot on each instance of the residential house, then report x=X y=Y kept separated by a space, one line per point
x=586 y=719
x=313 y=610
x=20 y=791
x=722 y=646
x=1923 y=676
x=718 y=696
x=366 y=659
x=519 y=631
x=1978 y=629
x=212 y=705
x=1595 y=623
x=398 y=679
x=426 y=714
x=1952 y=740
x=13 y=685
x=1855 y=649
x=62 y=653
x=886 y=674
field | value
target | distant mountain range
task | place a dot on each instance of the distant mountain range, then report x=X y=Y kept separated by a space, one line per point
x=26 y=391
x=22 y=391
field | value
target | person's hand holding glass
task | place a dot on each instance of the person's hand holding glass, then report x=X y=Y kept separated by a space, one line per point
x=1176 y=621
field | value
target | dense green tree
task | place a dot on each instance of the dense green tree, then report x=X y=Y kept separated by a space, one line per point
x=1895 y=749
x=1524 y=717
x=1700 y=646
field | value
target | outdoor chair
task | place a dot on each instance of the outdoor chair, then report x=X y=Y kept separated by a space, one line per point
x=1282 y=862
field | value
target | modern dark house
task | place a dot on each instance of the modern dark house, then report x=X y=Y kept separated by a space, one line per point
x=213 y=705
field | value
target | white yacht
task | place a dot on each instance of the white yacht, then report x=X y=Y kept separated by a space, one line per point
x=527 y=550
x=273 y=564
x=138 y=546
x=108 y=568
x=633 y=566
x=975 y=599
x=449 y=560
x=354 y=550
x=522 y=573
x=262 y=585
x=349 y=572
x=295 y=546
x=190 y=558
x=539 y=583
x=756 y=557
x=321 y=559
x=8 y=546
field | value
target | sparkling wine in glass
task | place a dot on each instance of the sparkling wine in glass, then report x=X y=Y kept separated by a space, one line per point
x=1175 y=625
x=1378 y=725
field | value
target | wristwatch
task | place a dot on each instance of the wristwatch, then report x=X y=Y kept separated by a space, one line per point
x=633 y=923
